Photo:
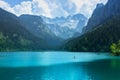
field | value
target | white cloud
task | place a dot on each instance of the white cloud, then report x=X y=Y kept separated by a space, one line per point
x=24 y=8
x=57 y=10
x=43 y=6
x=86 y=7
x=52 y=8
x=6 y=6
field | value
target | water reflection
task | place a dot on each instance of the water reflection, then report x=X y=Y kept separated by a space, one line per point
x=103 y=69
x=115 y=63
x=57 y=72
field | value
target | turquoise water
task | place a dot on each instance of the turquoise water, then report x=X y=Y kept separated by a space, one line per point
x=58 y=66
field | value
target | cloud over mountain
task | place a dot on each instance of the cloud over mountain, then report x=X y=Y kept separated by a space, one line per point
x=52 y=8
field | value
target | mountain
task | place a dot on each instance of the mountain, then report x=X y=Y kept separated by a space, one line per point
x=82 y=20
x=102 y=30
x=66 y=27
x=38 y=27
x=102 y=13
x=13 y=35
x=99 y=39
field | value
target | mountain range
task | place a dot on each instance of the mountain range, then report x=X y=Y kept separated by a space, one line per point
x=71 y=33
x=30 y=32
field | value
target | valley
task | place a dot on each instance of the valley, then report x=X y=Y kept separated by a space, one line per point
x=71 y=33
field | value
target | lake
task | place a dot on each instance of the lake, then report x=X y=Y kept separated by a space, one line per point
x=58 y=66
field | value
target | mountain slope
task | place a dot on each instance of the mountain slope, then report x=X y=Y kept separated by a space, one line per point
x=99 y=39
x=37 y=26
x=13 y=36
x=102 y=13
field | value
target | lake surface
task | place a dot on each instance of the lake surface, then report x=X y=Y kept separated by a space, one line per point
x=58 y=66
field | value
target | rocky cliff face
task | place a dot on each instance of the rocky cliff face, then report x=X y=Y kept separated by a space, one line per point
x=102 y=13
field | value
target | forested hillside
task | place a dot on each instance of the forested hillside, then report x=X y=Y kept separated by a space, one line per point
x=97 y=40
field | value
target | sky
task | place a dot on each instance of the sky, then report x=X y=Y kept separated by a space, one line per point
x=50 y=8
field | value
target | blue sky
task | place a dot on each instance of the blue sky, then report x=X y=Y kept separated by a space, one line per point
x=50 y=8
x=14 y=2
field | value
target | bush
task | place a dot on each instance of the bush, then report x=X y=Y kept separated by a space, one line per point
x=115 y=49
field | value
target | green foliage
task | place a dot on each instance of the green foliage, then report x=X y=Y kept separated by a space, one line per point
x=18 y=43
x=115 y=48
x=24 y=42
x=2 y=39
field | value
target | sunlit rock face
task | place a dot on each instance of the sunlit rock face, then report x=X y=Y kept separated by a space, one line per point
x=102 y=13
